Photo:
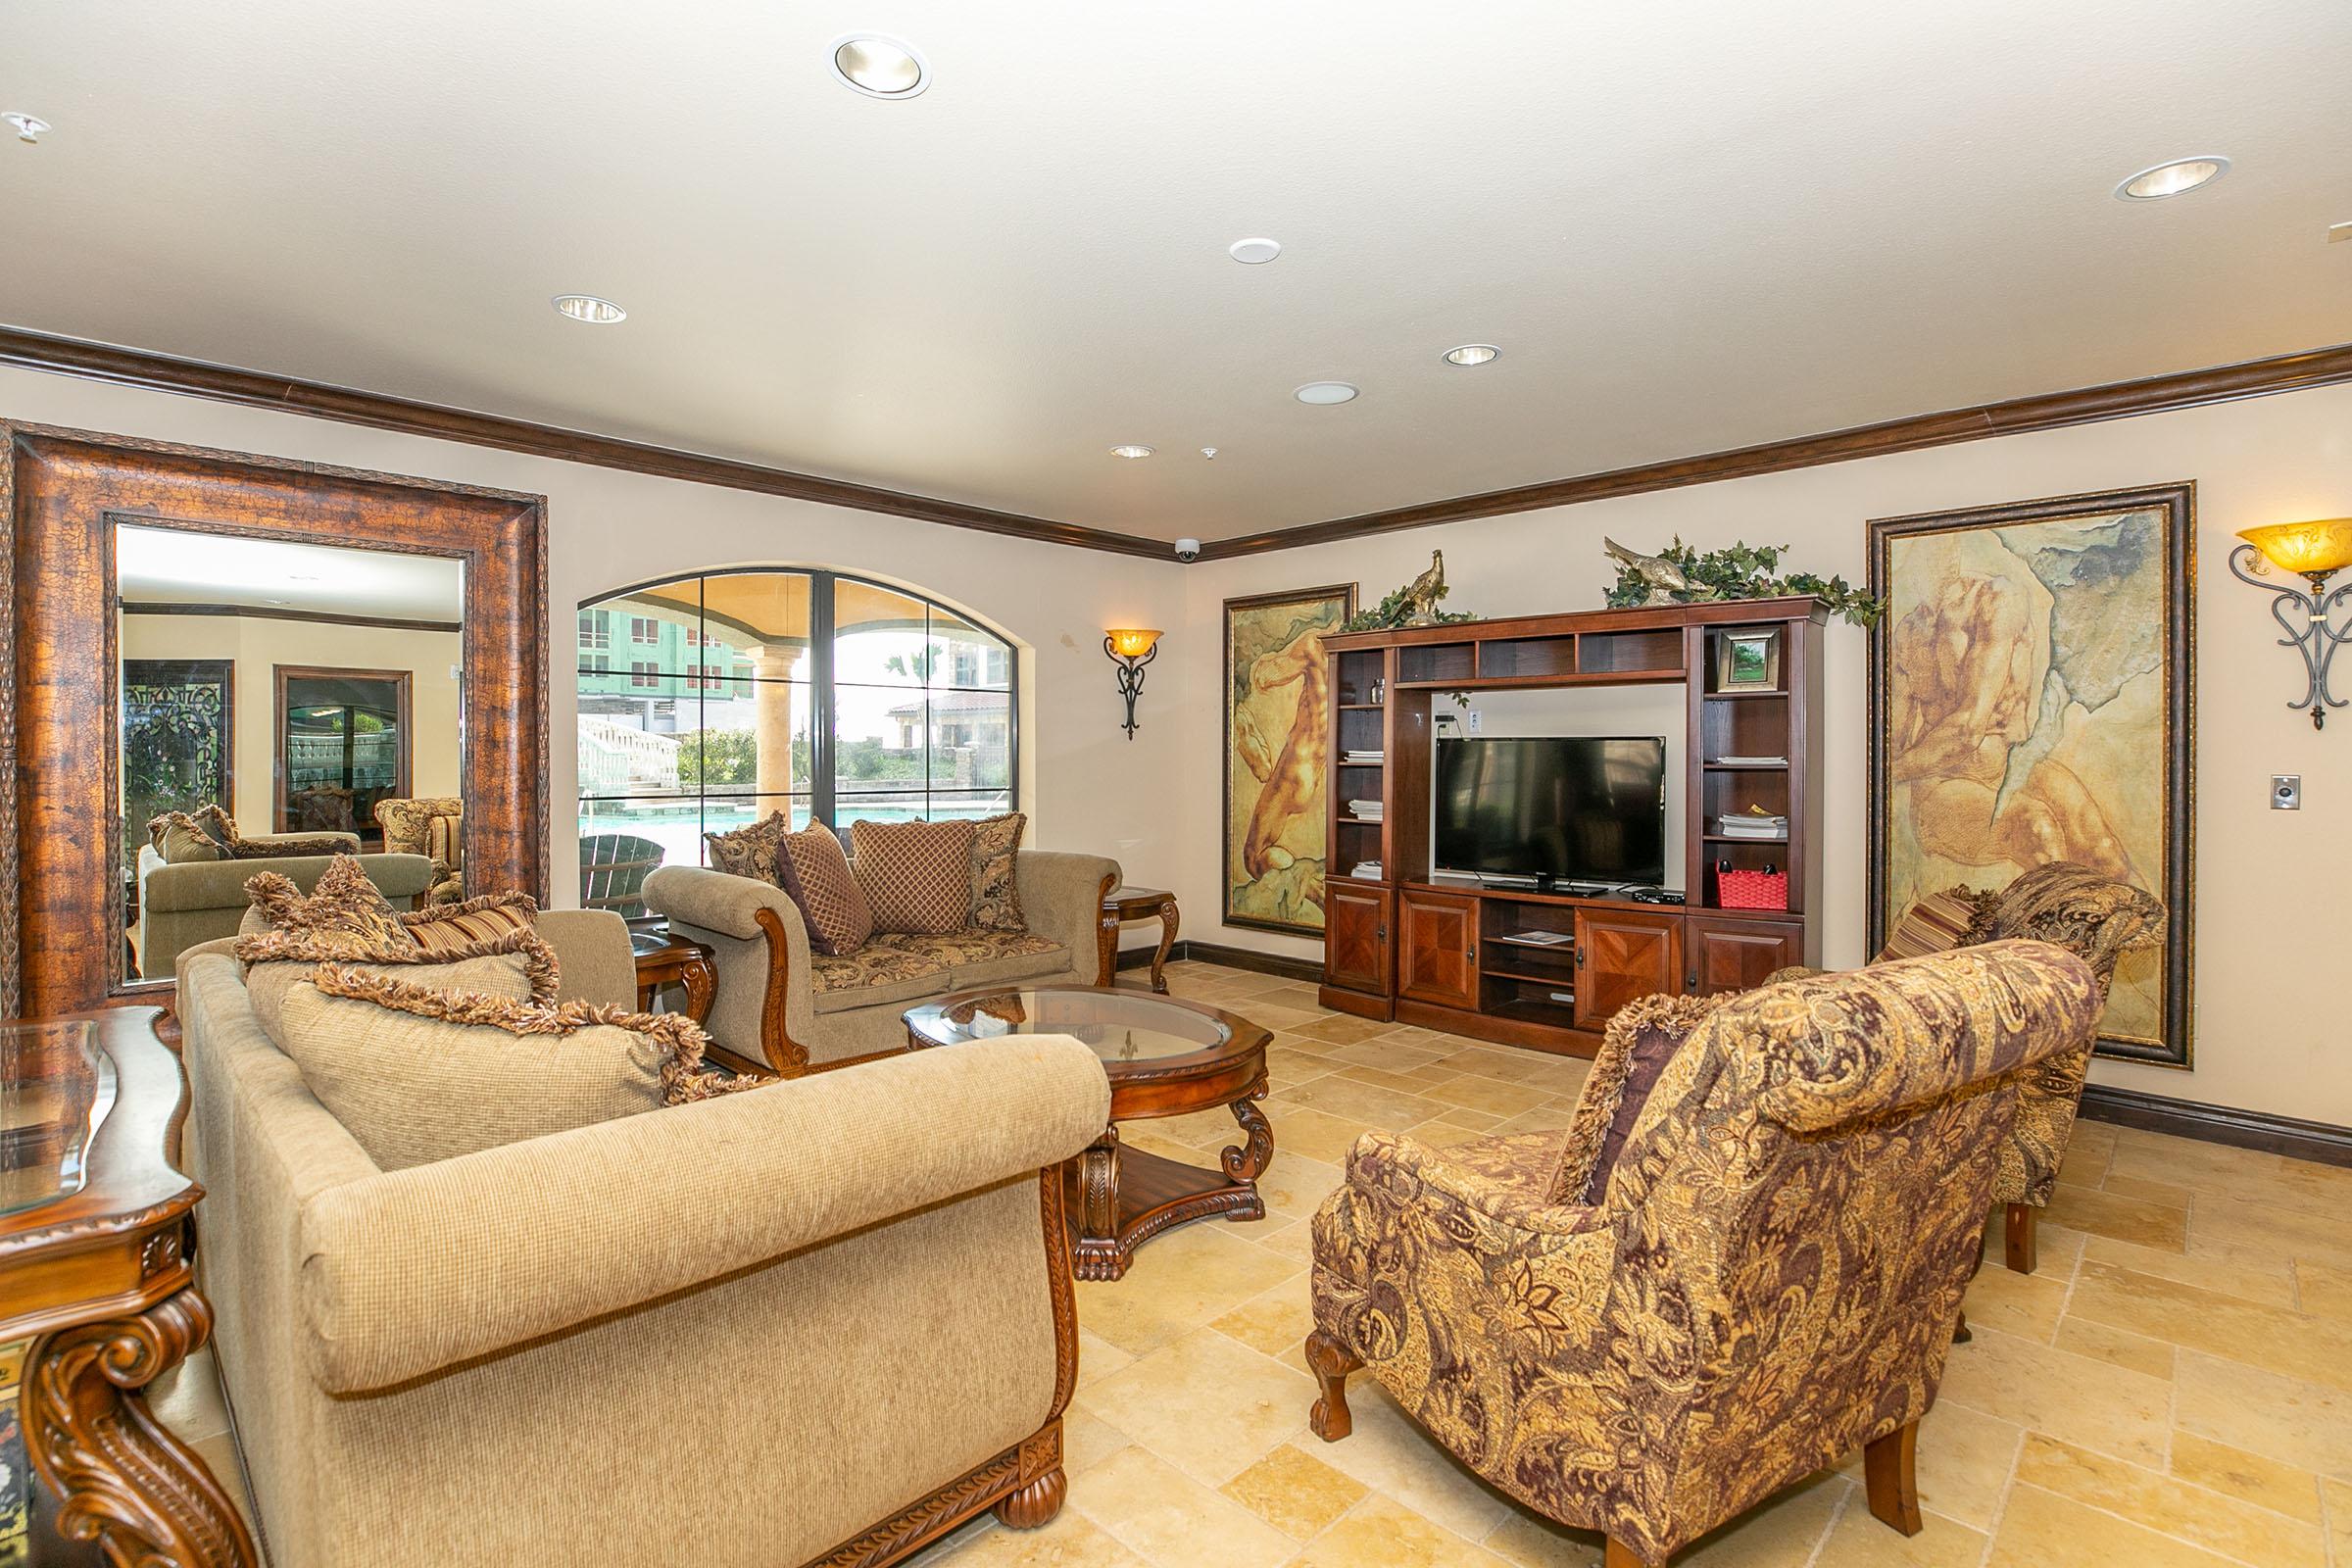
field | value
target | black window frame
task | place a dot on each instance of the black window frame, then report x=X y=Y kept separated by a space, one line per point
x=823 y=796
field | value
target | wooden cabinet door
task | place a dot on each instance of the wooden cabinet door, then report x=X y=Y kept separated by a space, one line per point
x=1736 y=955
x=1437 y=954
x=1355 y=938
x=1622 y=954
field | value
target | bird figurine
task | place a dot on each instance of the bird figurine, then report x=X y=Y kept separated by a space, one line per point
x=1667 y=583
x=1422 y=594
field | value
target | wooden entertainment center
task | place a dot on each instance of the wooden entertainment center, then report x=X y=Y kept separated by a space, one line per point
x=1455 y=954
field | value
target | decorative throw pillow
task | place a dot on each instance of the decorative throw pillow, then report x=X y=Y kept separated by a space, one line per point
x=1936 y=924
x=222 y=827
x=750 y=850
x=344 y=903
x=418 y=1075
x=995 y=887
x=1641 y=1039
x=514 y=964
x=445 y=926
x=917 y=876
x=178 y=839
x=445 y=841
x=815 y=875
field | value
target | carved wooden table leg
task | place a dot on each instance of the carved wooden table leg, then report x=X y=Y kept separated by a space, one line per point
x=1098 y=1252
x=1246 y=1163
x=1167 y=939
x=122 y=1479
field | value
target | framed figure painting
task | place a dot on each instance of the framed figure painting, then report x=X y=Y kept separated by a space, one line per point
x=1277 y=756
x=2032 y=700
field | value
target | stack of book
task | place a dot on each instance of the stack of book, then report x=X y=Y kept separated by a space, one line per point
x=1363 y=756
x=1752 y=823
x=1367 y=871
x=1364 y=811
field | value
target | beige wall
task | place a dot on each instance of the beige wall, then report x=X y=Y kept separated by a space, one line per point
x=2271 y=930
x=1084 y=783
x=258 y=644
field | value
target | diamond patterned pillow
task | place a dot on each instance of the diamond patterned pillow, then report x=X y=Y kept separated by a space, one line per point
x=996 y=888
x=815 y=875
x=917 y=876
x=750 y=850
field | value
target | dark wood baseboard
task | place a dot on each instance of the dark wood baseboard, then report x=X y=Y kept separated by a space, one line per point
x=1310 y=970
x=2296 y=1139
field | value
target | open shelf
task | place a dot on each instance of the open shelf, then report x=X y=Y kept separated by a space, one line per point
x=1745 y=767
x=1534 y=1010
x=1745 y=697
x=1740 y=838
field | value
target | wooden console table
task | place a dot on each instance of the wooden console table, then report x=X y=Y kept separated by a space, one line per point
x=96 y=1248
x=1123 y=904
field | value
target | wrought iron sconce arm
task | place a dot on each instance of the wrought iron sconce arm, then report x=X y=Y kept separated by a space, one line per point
x=2306 y=617
x=1131 y=677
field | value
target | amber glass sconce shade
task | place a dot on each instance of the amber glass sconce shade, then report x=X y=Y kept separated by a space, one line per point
x=2313 y=551
x=1131 y=649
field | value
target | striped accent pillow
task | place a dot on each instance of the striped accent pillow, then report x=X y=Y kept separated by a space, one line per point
x=815 y=875
x=447 y=927
x=917 y=876
x=445 y=841
x=1936 y=924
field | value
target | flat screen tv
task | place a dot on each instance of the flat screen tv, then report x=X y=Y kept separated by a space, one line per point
x=1568 y=808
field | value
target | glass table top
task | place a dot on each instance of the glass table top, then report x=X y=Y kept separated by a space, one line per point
x=56 y=1084
x=1121 y=1026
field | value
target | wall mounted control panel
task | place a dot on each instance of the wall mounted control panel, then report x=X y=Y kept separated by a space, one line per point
x=2286 y=792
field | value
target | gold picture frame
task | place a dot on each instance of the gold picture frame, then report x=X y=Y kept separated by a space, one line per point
x=1747 y=660
x=1277 y=757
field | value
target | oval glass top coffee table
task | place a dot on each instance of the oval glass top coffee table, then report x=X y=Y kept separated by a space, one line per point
x=1165 y=1057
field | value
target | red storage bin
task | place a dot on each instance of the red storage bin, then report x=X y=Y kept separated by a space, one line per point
x=1751 y=889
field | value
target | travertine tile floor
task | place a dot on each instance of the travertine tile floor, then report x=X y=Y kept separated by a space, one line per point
x=2173 y=1386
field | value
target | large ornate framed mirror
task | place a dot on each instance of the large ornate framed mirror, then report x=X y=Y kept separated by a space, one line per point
x=296 y=659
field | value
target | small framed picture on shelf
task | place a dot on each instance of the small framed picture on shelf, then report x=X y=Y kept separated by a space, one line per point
x=1747 y=660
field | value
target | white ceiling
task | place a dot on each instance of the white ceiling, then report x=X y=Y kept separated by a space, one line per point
x=1690 y=226
x=179 y=566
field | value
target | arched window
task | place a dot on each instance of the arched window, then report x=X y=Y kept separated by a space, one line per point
x=708 y=702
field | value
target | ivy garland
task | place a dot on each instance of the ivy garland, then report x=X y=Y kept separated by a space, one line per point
x=1742 y=571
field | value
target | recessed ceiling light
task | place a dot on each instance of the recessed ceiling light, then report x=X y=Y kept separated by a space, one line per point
x=1324 y=392
x=588 y=308
x=2176 y=178
x=880 y=67
x=28 y=127
x=1253 y=252
x=1131 y=450
x=1473 y=353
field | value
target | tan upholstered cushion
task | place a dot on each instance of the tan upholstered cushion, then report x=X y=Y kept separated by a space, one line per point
x=984 y=957
x=751 y=851
x=445 y=926
x=419 y=1076
x=995 y=881
x=178 y=839
x=917 y=876
x=508 y=970
x=878 y=972
x=343 y=904
x=1936 y=924
x=812 y=870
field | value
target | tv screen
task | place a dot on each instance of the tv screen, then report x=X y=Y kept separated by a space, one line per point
x=1573 y=809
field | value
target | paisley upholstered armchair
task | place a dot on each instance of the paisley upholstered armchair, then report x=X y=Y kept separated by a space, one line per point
x=2095 y=918
x=1744 y=1262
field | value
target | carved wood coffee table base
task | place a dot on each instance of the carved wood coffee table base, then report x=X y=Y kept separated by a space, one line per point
x=1124 y=1197
x=1164 y=1056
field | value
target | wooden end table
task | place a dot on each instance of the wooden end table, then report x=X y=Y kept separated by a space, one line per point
x=1123 y=904
x=663 y=960
x=1164 y=1057
x=95 y=1246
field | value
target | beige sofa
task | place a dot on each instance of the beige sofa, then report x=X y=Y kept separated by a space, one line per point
x=857 y=1285
x=184 y=903
x=779 y=1002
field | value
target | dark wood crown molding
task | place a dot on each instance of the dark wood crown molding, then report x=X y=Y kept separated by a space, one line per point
x=160 y=373
x=2049 y=410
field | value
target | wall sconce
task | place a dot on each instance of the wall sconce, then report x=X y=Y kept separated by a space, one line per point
x=2313 y=551
x=1131 y=649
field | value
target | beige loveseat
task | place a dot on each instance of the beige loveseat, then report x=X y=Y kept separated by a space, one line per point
x=857 y=1286
x=187 y=902
x=798 y=1010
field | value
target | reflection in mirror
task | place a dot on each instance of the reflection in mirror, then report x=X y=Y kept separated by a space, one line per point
x=280 y=703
